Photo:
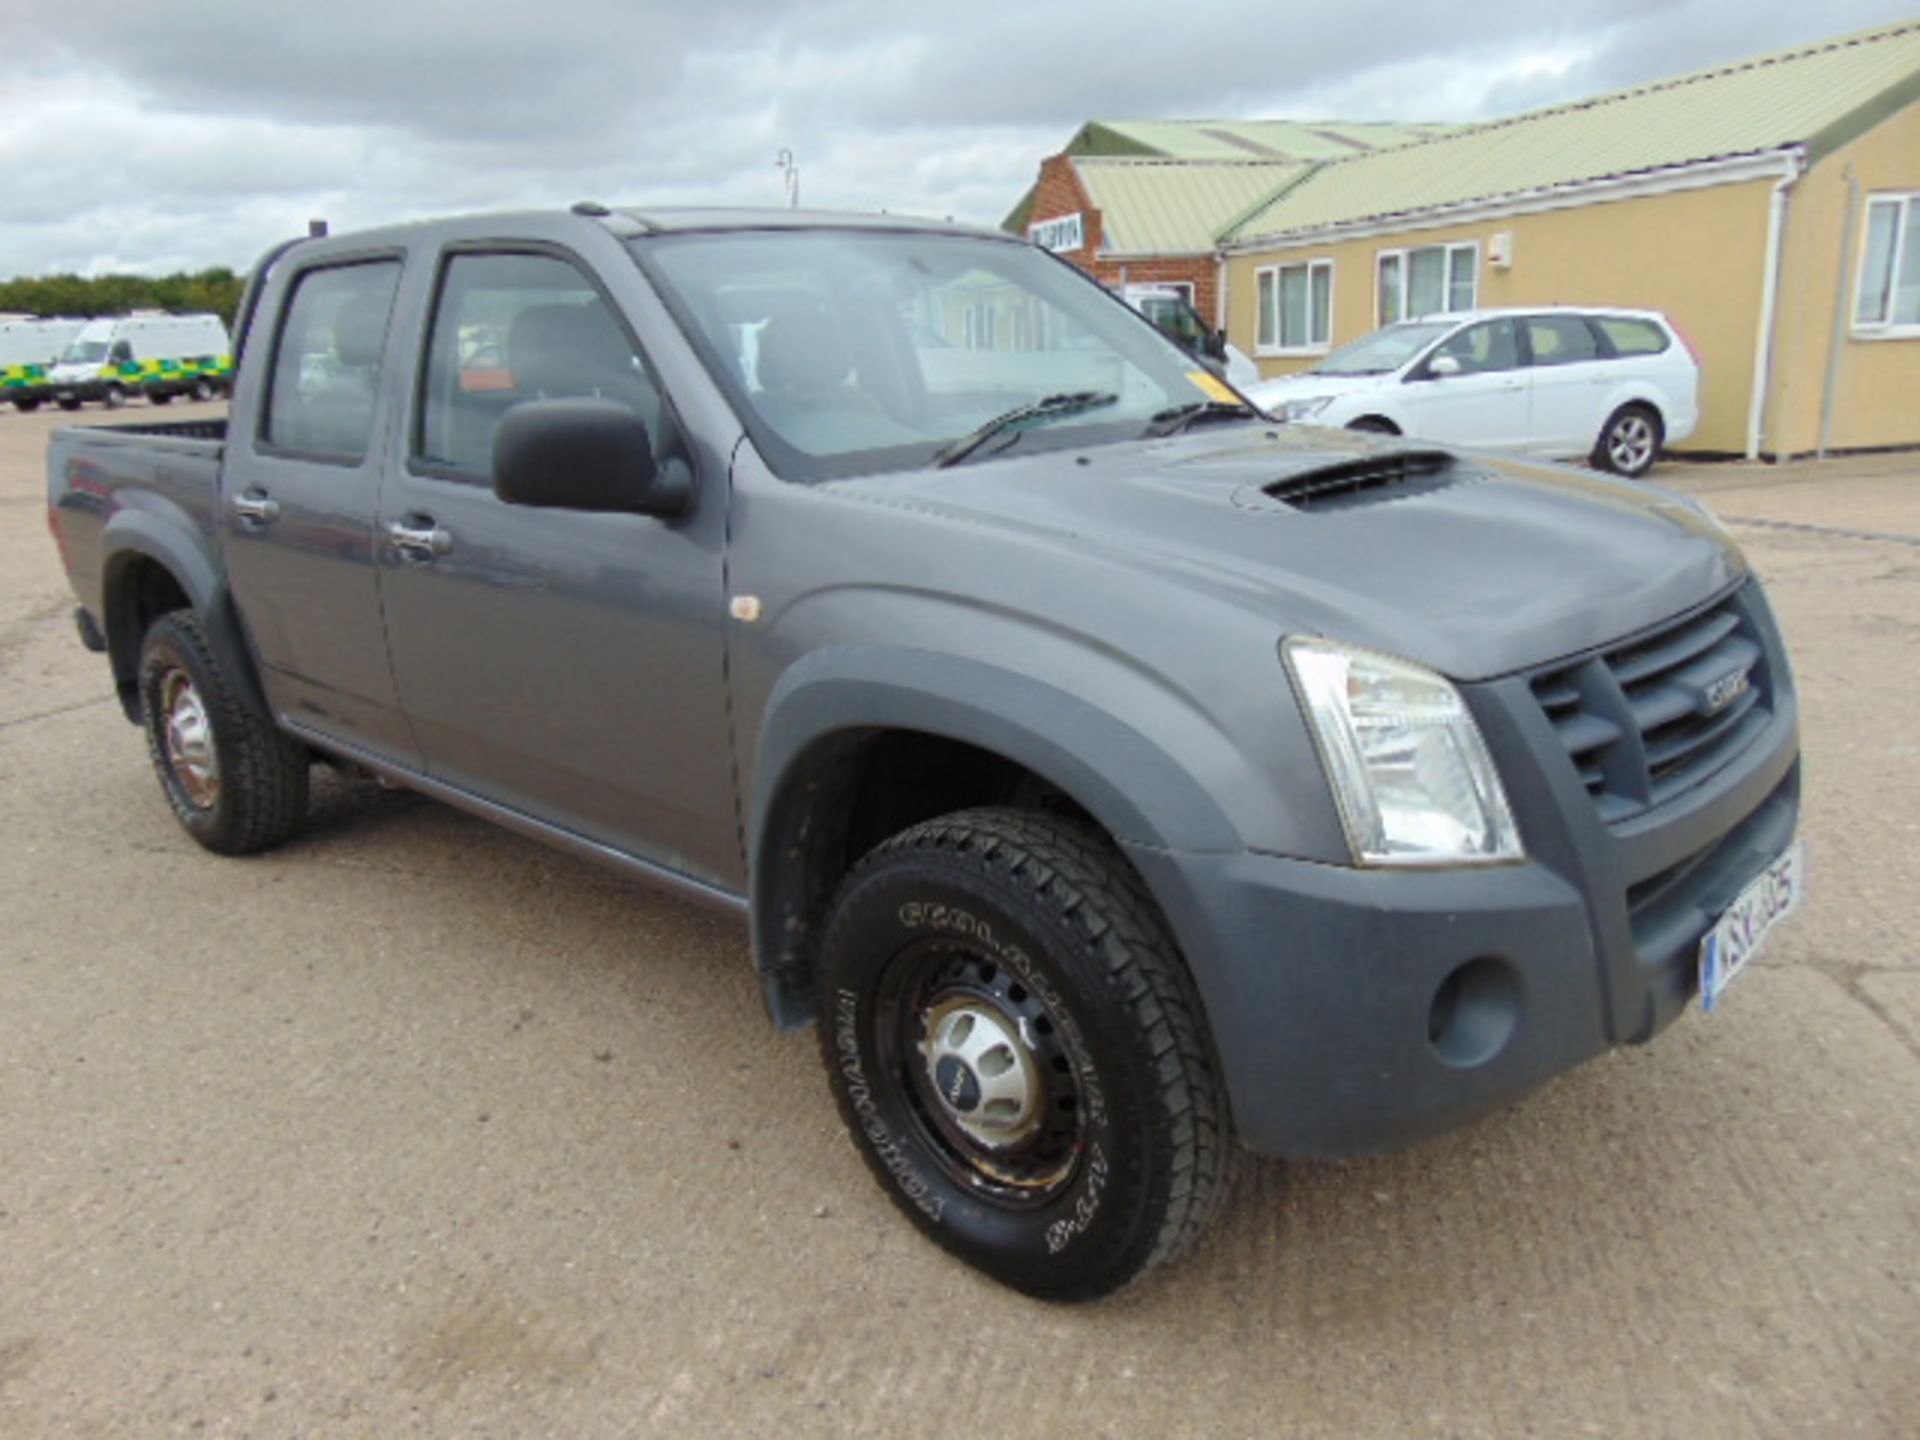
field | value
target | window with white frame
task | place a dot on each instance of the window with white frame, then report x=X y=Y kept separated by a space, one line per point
x=1296 y=307
x=1887 y=299
x=1427 y=280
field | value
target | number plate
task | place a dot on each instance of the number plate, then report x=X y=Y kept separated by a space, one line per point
x=1743 y=929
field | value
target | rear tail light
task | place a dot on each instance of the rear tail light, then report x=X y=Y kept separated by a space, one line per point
x=1686 y=340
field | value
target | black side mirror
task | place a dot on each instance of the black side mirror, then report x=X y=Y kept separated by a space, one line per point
x=1216 y=344
x=585 y=454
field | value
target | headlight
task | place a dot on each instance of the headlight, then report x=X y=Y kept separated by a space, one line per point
x=1412 y=777
x=1304 y=409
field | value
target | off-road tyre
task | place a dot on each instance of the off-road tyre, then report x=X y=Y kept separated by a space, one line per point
x=258 y=794
x=1033 y=929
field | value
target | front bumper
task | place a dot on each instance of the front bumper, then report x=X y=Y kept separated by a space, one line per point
x=1358 y=1010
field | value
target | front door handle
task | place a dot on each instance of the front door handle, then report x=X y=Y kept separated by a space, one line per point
x=257 y=506
x=418 y=538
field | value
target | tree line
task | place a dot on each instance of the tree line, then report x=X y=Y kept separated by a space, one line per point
x=215 y=291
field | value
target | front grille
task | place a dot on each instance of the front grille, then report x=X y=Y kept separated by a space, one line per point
x=1644 y=720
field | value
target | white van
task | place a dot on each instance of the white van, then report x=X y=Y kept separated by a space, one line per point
x=156 y=355
x=27 y=349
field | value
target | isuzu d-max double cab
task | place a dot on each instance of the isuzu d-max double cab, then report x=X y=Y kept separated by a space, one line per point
x=1111 y=775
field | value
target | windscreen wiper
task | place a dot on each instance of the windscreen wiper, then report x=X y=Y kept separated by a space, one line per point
x=1172 y=422
x=1041 y=409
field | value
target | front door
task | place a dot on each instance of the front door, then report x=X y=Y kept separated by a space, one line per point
x=1484 y=403
x=568 y=666
x=298 y=510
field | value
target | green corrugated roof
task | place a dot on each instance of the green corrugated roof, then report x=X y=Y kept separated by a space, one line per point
x=1277 y=142
x=1175 y=207
x=1280 y=140
x=1819 y=95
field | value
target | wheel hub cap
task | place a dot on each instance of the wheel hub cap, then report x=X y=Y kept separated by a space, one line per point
x=983 y=1072
x=189 y=740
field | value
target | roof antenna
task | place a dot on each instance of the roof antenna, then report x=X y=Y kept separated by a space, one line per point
x=791 y=170
x=316 y=229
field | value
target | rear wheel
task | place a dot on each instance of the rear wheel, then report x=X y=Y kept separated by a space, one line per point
x=202 y=389
x=115 y=396
x=1017 y=1052
x=235 y=781
x=1629 y=442
x=26 y=407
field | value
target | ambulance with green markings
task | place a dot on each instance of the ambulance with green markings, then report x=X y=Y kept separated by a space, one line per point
x=151 y=354
x=27 y=349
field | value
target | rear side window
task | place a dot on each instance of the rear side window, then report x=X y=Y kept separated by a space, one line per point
x=1632 y=337
x=1560 y=340
x=326 y=366
x=513 y=328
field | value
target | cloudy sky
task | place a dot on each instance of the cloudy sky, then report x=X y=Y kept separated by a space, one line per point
x=155 y=138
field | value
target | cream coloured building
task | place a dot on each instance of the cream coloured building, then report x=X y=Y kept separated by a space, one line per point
x=1770 y=207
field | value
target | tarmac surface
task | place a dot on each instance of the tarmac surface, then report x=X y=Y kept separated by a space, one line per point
x=413 y=1127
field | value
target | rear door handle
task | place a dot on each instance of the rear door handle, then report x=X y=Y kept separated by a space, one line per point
x=257 y=506
x=418 y=538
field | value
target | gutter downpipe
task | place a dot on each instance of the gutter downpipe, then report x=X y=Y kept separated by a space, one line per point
x=1837 y=344
x=1769 y=300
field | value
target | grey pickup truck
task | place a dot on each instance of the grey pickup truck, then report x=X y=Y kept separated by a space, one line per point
x=1113 y=776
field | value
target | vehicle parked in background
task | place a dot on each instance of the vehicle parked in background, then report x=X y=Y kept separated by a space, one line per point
x=1110 y=774
x=158 y=356
x=27 y=349
x=1169 y=308
x=1608 y=386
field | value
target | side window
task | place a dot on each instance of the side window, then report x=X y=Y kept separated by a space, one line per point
x=122 y=353
x=1632 y=337
x=326 y=366
x=1560 y=340
x=512 y=328
x=1488 y=346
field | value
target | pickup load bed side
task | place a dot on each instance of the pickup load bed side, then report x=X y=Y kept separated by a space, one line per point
x=1109 y=774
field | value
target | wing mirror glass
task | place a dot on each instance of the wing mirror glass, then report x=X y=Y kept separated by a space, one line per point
x=1442 y=366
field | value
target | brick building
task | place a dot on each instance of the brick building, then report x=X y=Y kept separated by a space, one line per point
x=1143 y=202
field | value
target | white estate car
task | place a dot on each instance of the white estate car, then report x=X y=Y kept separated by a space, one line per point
x=1612 y=386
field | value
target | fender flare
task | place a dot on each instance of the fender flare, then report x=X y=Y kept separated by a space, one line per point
x=841 y=694
x=178 y=549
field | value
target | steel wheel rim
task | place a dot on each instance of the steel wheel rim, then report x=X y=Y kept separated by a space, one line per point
x=1631 y=443
x=188 y=740
x=1012 y=1129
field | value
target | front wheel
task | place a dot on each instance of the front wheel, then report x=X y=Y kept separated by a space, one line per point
x=235 y=781
x=1629 y=442
x=1017 y=1052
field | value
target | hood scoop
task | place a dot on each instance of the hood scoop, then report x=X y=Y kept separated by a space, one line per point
x=1364 y=480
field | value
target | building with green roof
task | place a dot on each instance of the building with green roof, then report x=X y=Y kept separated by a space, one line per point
x=1146 y=201
x=1770 y=207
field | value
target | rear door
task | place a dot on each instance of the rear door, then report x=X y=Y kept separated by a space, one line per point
x=1485 y=403
x=567 y=666
x=1571 y=378
x=299 y=498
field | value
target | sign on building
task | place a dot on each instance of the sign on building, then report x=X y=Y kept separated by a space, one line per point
x=1066 y=232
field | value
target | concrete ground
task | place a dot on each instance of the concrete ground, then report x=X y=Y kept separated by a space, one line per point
x=415 y=1128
